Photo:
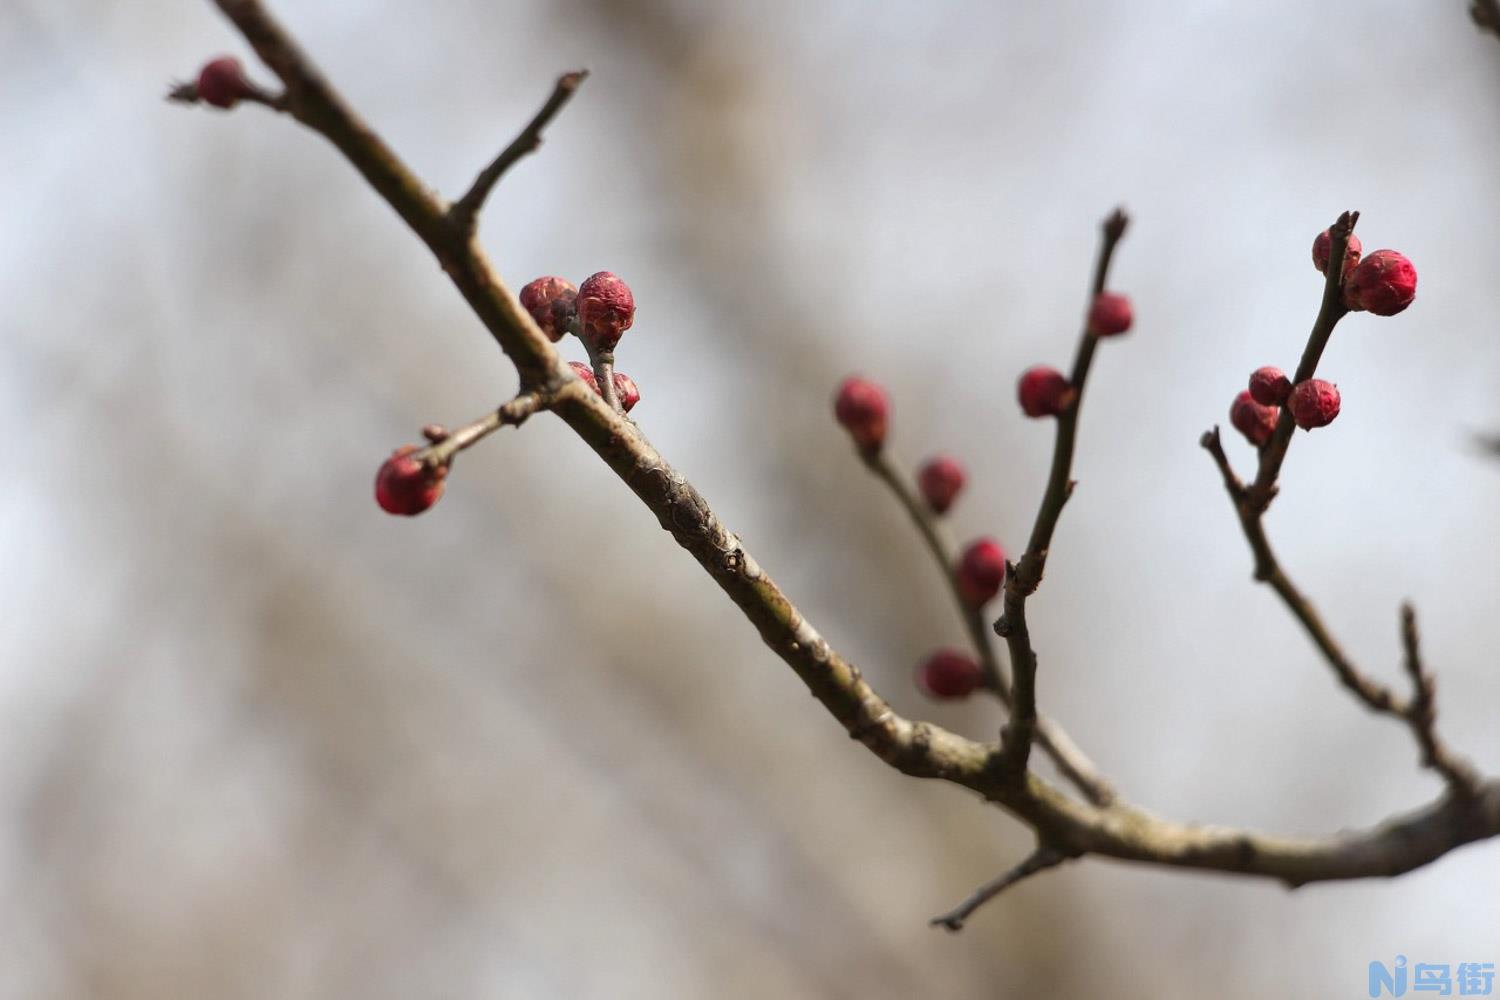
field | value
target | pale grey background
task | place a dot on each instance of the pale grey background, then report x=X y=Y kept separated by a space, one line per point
x=261 y=740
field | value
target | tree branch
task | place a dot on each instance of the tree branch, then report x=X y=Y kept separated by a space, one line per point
x=1330 y=311
x=1074 y=764
x=1377 y=697
x=466 y=209
x=1038 y=860
x=1486 y=14
x=1250 y=503
x=1421 y=713
x=915 y=748
x=1023 y=579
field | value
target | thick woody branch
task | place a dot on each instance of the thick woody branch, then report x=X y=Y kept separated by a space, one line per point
x=1070 y=760
x=1038 y=860
x=1024 y=578
x=915 y=748
x=465 y=210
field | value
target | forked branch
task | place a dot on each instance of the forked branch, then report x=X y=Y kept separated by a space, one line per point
x=1067 y=826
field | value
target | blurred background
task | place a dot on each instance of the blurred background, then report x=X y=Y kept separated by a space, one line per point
x=261 y=739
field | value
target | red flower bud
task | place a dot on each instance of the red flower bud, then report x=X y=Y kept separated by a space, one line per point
x=405 y=485
x=1269 y=386
x=606 y=308
x=222 y=83
x=940 y=481
x=861 y=407
x=586 y=373
x=949 y=674
x=1043 y=392
x=1111 y=314
x=550 y=302
x=627 y=391
x=1254 y=420
x=1384 y=283
x=1314 y=403
x=1324 y=244
x=981 y=571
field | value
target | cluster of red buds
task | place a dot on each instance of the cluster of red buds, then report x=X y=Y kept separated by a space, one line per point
x=1384 y=283
x=598 y=312
x=1043 y=391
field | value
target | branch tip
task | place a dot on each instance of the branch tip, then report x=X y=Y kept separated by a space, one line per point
x=1040 y=860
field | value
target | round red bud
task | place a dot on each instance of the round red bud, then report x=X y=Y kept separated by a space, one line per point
x=1384 y=283
x=948 y=675
x=1269 y=386
x=405 y=485
x=550 y=301
x=627 y=391
x=1324 y=244
x=981 y=571
x=586 y=373
x=1314 y=403
x=940 y=479
x=1111 y=314
x=862 y=408
x=1254 y=420
x=222 y=83
x=606 y=308
x=1043 y=392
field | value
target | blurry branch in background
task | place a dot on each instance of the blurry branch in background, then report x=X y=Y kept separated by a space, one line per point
x=1065 y=827
x=1486 y=14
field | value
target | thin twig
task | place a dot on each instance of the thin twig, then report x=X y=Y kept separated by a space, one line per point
x=1026 y=576
x=603 y=363
x=511 y=414
x=1268 y=570
x=1070 y=760
x=1421 y=714
x=464 y=211
x=1038 y=860
x=1330 y=311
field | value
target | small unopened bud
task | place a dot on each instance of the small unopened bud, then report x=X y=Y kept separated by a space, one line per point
x=1254 y=420
x=1314 y=403
x=1111 y=314
x=586 y=373
x=1323 y=246
x=405 y=485
x=981 y=571
x=861 y=407
x=948 y=675
x=1384 y=283
x=1269 y=386
x=606 y=309
x=1043 y=392
x=940 y=479
x=222 y=83
x=550 y=302
x=627 y=391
